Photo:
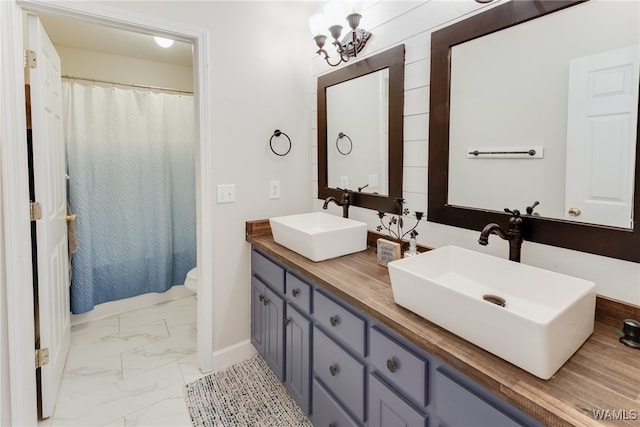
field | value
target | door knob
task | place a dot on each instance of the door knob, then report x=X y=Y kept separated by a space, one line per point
x=71 y=217
x=574 y=212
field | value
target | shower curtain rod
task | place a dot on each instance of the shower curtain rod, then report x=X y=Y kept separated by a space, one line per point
x=167 y=89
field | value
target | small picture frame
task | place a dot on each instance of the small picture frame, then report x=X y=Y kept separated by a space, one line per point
x=388 y=251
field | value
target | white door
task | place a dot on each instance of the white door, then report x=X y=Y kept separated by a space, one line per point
x=601 y=137
x=51 y=230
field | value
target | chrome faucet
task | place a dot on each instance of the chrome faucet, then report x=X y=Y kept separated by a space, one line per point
x=513 y=234
x=344 y=202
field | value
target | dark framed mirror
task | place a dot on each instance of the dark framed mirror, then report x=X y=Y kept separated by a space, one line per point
x=597 y=238
x=360 y=131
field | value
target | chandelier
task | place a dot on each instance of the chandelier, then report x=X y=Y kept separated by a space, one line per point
x=328 y=22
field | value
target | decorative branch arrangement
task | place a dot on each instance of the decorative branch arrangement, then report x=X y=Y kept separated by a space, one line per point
x=396 y=223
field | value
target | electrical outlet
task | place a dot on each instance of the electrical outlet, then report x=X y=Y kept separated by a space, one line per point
x=226 y=193
x=344 y=182
x=274 y=189
x=373 y=180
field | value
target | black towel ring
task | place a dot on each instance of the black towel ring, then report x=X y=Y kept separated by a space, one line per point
x=340 y=136
x=277 y=133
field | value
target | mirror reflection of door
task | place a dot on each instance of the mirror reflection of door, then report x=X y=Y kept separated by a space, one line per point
x=510 y=88
x=601 y=133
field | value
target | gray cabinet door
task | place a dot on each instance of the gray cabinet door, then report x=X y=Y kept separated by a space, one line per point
x=257 y=314
x=297 y=356
x=274 y=332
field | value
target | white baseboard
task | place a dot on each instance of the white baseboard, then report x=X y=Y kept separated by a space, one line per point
x=233 y=354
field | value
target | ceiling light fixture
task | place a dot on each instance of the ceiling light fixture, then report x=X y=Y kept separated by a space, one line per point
x=163 y=42
x=323 y=23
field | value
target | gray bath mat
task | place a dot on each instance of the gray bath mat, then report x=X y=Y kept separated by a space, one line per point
x=246 y=394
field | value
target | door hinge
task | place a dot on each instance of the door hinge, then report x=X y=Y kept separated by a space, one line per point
x=42 y=357
x=30 y=59
x=35 y=211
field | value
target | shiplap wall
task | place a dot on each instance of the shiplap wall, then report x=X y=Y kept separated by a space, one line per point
x=411 y=23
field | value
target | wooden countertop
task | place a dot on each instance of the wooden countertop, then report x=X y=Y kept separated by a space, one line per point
x=602 y=375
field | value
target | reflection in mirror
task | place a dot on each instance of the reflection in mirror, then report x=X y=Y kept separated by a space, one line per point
x=614 y=152
x=357 y=153
x=360 y=135
x=574 y=102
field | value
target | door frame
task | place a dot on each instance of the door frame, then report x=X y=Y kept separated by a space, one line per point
x=15 y=194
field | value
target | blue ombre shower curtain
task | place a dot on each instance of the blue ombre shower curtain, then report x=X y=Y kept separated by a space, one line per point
x=131 y=173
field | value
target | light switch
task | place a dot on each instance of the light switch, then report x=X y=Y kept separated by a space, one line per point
x=226 y=193
x=274 y=189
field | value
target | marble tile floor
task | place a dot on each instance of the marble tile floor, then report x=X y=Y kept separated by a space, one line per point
x=130 y=369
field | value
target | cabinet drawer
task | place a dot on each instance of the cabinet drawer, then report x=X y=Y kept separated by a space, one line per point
x=340 y=322
x=342 y=374
x=388 y=409
x=457 y=405
x=400 y=366
x=268 y=271
x=299 y=293
x=326 y=411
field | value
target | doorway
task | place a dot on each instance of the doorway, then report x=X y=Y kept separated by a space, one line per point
x=17 y=226
x=129 y=133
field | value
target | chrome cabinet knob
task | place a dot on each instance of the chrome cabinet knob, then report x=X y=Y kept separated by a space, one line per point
x=392 y=366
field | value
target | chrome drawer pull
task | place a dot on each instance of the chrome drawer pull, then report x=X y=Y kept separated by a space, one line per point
x=265 y=301
x=333 y=320
x=261 y=297
x=295 y=292
x=392 y=366
x=287 y=321
x=333 y=370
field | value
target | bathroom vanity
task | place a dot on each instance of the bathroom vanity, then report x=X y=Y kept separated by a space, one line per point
x=349 y=355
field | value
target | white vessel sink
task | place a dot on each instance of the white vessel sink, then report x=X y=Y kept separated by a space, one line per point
x=545 y=318
x=318 y=235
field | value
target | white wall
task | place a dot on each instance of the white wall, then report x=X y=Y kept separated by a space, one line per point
x=123 y=69
x=412 y=23
x=259 y=78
